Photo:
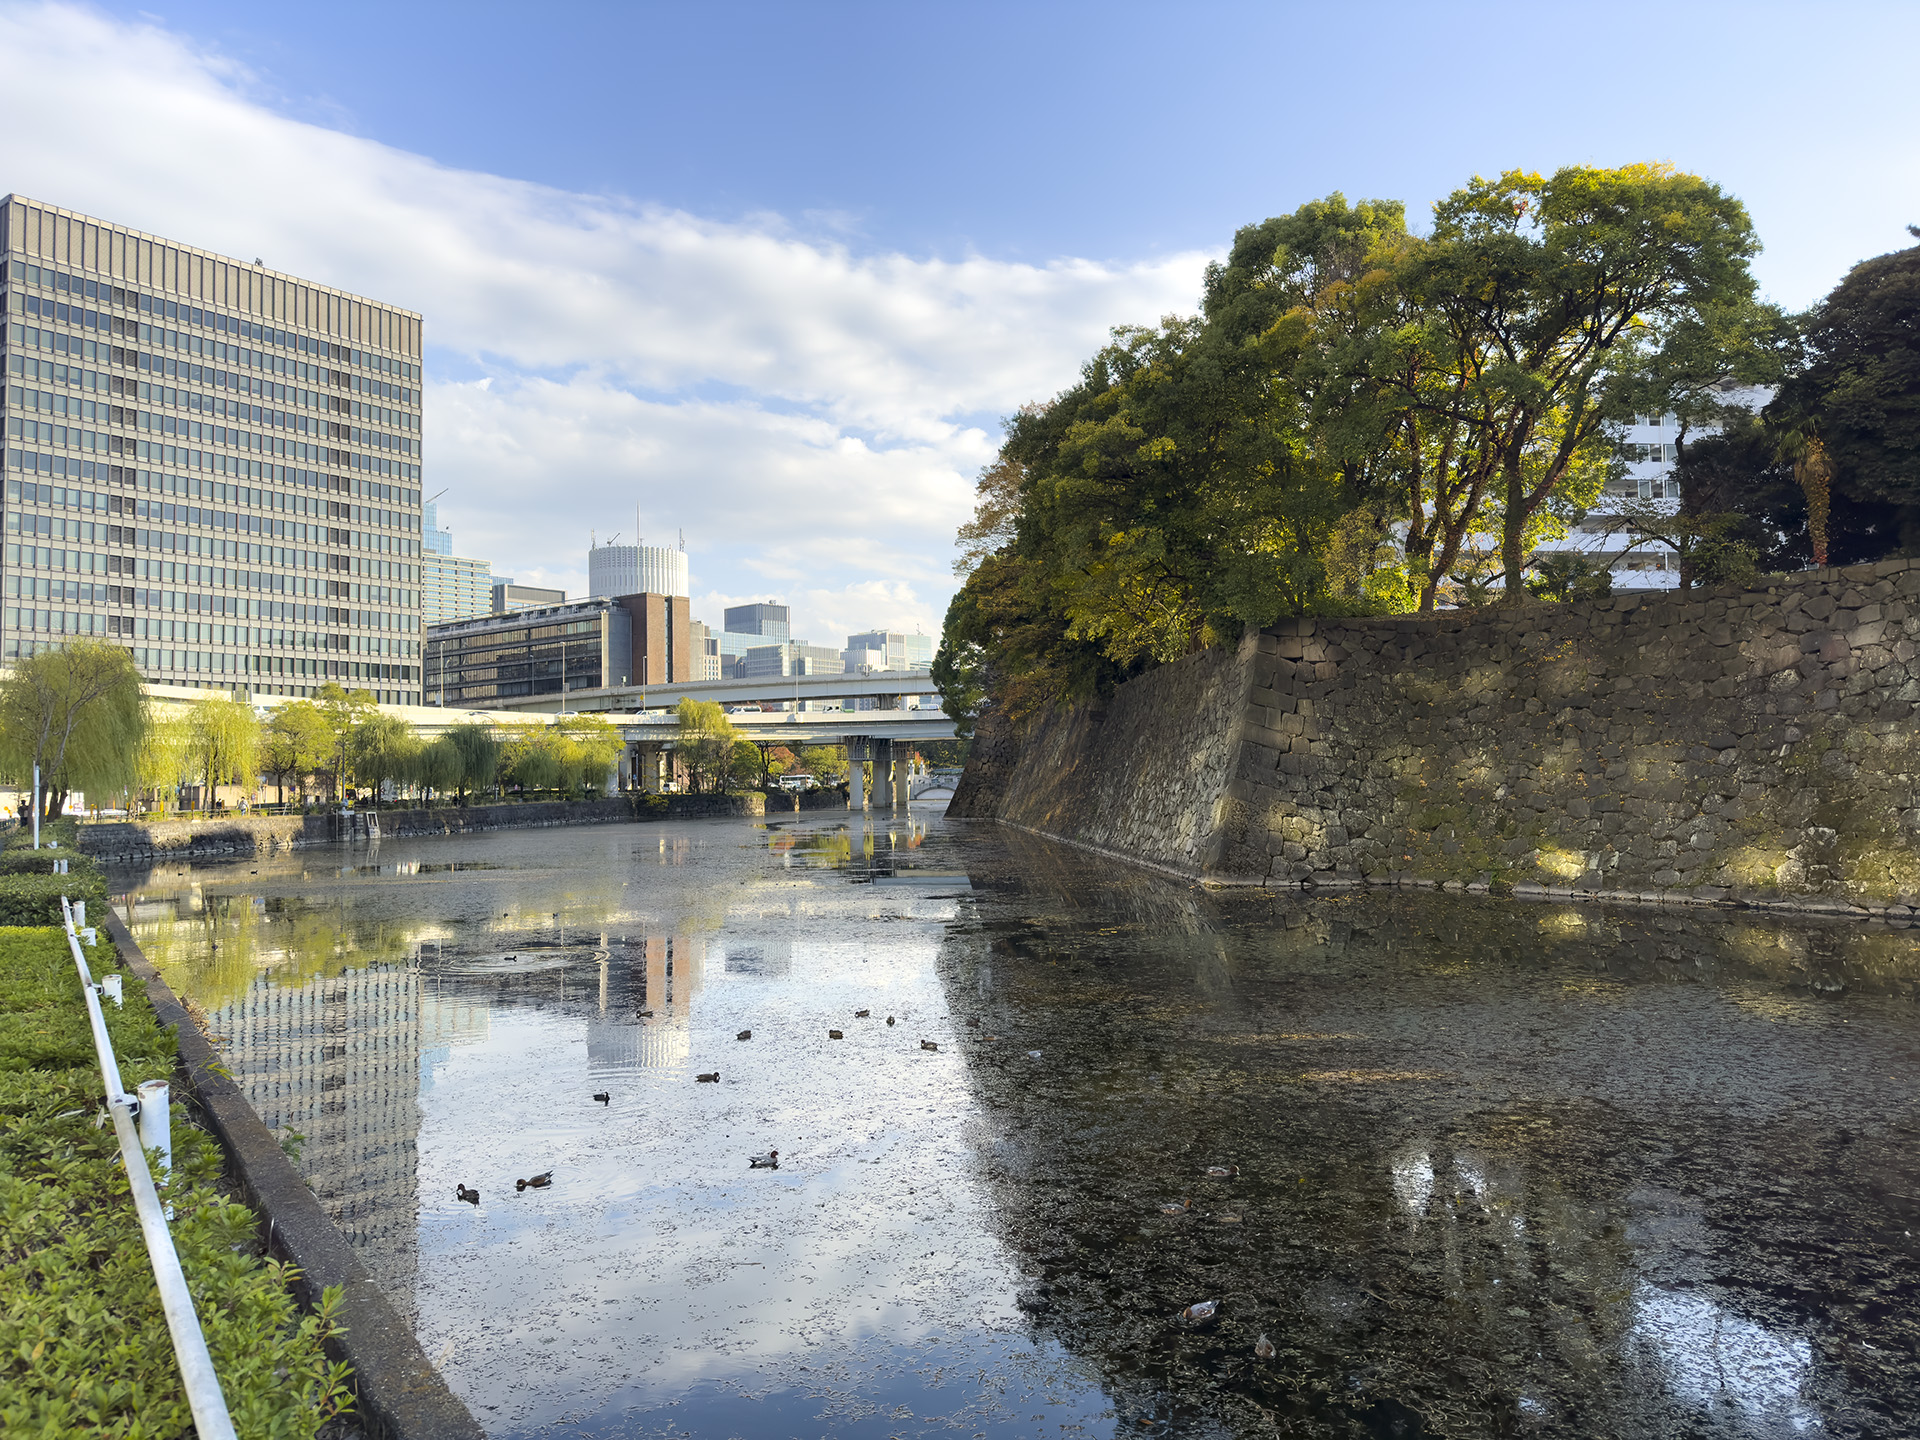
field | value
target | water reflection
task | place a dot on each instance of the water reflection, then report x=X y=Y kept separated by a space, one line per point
x=1489 y=1169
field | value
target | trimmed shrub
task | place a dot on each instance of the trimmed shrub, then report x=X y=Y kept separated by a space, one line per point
x=84 y=1348
x=41 y=862
x=65 y=831
x=35 y=899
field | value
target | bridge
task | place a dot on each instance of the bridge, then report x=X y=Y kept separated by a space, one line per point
x=649 y=729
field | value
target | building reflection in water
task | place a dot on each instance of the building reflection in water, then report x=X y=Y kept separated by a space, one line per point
x=657 y=973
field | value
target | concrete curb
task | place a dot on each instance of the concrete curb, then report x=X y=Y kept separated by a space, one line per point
x=401 y=1396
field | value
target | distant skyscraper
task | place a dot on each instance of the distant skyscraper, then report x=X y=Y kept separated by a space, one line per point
x=436 y=540
x=615 y=570
x=774 y=622
x=509 y=597
x=452 y=587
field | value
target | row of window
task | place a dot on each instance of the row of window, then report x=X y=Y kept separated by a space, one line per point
x=60 y=497
x=102 y=292
x=341 y=570
x=200 y=632
x=129 y=597
x=47 y=402
x=173 y=513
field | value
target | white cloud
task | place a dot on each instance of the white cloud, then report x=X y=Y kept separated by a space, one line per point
x=811 y=415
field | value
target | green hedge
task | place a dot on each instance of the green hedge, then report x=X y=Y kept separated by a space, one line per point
x=65 y=830
x=84 y=1348
x=41 y=862
x=35 y=899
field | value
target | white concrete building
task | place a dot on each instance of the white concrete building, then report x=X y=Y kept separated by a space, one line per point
x=615 y=570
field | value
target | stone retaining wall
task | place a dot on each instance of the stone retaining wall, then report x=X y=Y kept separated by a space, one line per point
x=1754 y=745
x=266 y=834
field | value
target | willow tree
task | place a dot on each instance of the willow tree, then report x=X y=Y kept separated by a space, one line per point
x=704 y=743
x=479 y=751
x=77 y=712
x=224 y=744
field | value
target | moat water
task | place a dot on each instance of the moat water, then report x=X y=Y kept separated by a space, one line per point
x=1494 y=1168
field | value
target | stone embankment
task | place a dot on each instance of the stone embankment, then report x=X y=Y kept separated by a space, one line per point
x=1725 y=745
x=267 y=834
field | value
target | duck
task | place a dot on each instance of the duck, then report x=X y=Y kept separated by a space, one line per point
x=929 y=1045
x=1223 y=1172
x=836 y=1035
x=1180 y=1207
x=1263 y=1347
x=712 y=1077
x=768 y=1161
x=1200 y=1312
x=744 y=1035
x=471 y=1196
x=602 y=1096
x=535 y=1182
x=889 y=1019
x=861 y=1014
x=645 y=1014
x=509 y=957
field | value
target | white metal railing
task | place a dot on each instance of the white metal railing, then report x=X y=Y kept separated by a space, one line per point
x=149 y=1108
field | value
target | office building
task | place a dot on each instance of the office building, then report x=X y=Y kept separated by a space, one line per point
x=212 y=463
x=774 y=622
x=704 y=650
x=434 y=539
x=454 y=587
x=527 y=655
x=792 y=657
x=881 y=650
x=509 y=598
x=636 y=570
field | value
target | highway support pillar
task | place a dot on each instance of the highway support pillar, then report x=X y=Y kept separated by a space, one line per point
x=883 y=775
x=902 y=779
x=856 y=772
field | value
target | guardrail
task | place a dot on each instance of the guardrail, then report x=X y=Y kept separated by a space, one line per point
x=149 y=1109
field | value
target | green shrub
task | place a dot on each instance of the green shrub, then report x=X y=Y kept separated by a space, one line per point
x=35 y=899
x=43 y=1016
x=65 y=832
x=84 y=1348
x=41 y=862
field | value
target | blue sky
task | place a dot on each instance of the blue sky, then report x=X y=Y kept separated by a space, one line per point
x=772 y=272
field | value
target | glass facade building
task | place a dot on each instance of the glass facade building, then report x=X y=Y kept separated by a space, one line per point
x=211 y=463
x=585 y=645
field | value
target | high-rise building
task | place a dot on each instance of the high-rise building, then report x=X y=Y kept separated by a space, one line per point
x=452 y=587
x=705 y=662
x=212 y=463
x=435 y=540
x=790 y=657
x=636 y=570
x=888 y=650
x=774 y=622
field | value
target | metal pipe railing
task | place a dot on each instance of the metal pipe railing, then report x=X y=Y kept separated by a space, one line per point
x=208 y=1402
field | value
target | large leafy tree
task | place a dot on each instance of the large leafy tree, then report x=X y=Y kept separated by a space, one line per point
x=1850 y=416
x=295 y=741
x=479 y=751
x=704 y=743
x=77 y=712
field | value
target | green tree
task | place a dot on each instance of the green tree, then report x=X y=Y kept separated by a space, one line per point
x=165 y=759
x=344 y=711
x=590 y=749
x=1559 y=294
x=76 y=711
x=530 y=758
x=439 y=766
x=1849 y=417
x=826 y=763
x=295 y=741
x=479 y=751
x=384 y=751
x=704 y=743
x=225 y=744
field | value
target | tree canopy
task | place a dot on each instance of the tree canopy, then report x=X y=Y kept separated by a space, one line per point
x=1359 y=419
x=77 y=712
